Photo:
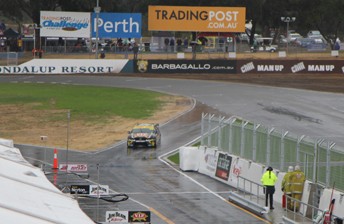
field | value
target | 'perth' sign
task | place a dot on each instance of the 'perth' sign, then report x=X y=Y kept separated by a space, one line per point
x=117 y=25
x=63 y=66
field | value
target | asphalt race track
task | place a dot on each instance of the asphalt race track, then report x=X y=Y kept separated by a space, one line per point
x=172 y=196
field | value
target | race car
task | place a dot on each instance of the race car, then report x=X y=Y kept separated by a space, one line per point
x=147 y=135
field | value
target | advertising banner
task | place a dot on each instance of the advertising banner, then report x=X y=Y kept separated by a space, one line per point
x=27 y=30
x=290 y=66
x=117 y=216
x=223 y=166
x=69 y=66
x=185 y=66
x=128 y=217
x=96 y=190
x=196 y=18
x=117 y=25
x=65 y=24
x=139 y=216
x=80 y=189
x=90 y=189
x=208 y=161
x=73 y=167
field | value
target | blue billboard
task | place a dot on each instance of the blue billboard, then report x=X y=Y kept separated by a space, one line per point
x=117 y=25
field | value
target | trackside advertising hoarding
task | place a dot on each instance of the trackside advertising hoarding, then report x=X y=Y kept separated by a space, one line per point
x=290 y=66
x=191 y=18
x=223 y=166
x=128 y=217
x=65 y=24
x=117 y=25
x=185 y=66
x=69 y=66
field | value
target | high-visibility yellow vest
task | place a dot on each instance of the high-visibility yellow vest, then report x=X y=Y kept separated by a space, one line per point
x=269 y=178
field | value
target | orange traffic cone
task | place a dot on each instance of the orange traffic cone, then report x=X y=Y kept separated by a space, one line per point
x=55 y=163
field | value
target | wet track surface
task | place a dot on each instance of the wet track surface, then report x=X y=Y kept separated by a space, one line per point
x=152 y=184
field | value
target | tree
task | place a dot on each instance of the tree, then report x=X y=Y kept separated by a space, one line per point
x=325 y=16
x=253 y=14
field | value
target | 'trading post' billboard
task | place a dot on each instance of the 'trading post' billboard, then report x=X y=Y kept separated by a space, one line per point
x=196 y=18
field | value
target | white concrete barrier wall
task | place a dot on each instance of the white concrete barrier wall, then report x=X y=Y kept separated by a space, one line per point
x=208 y=165
x=191 y=159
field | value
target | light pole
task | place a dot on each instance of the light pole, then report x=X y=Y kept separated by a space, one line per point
x=97 y=11
x=98 y=193
x=44 y=139
x=288 y=20
x=35 y=27
x=68 y=124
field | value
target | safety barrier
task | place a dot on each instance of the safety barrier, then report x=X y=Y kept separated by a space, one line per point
x=244 y=202
x=244 y=175
x=308 y=214
x=319 y=159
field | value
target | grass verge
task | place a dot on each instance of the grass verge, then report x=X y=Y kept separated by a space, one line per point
x=87 y=102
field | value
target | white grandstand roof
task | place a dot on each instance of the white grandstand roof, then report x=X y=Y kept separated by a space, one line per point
x=28 y=197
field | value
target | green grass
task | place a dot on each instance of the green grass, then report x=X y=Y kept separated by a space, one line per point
x=174 y=158
x=83 y=101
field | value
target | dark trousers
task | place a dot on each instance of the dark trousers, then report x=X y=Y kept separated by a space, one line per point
x=269 y=196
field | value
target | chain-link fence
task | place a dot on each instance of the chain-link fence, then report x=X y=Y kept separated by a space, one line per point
x=319 y=159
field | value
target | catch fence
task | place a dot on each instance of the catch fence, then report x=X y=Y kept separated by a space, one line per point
x=321 y=161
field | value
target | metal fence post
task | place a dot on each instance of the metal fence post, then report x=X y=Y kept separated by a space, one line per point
x=202 y=127
x=242 y=143
x=209 y=130
x=315 y=169
x=298 y=149
x=230 y=151
x=219 y=139
x=268 y=147
x=254 y=143
x=282 y=157
x=328 y=161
